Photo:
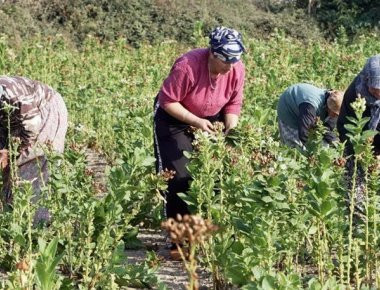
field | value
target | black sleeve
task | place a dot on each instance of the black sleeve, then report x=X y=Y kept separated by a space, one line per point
x=306 y=120
x=376 y=141
x=329 y=136
x=3 y=137
x=376 y=144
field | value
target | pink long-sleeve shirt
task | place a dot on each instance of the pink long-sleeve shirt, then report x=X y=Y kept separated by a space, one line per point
x=189 y=84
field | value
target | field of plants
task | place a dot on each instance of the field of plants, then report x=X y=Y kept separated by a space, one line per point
x=282 y=216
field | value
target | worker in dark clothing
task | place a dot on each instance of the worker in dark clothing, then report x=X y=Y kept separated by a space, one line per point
x=365 y=85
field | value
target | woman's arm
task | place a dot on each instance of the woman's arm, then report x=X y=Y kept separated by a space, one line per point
x=230 y=121
x=179 y=112
x=330 y=137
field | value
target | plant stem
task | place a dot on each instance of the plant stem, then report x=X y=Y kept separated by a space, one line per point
x=352 y=208
x=367 y=249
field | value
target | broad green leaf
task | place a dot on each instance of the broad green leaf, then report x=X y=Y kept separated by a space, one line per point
x=268 y=283
x=148 y=161
x=278 y=196
x=266 y=199
x=312 y=230
x=327 y=207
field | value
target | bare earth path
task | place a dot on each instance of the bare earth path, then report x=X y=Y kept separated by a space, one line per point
x=171 y=273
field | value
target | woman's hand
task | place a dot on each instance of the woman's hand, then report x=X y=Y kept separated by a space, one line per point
x=204 y=125
x=3 y=158
x=179 y=112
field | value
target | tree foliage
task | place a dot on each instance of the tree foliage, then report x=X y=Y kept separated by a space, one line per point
x=354 y=16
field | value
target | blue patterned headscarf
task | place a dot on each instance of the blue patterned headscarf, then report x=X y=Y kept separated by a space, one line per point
x=226 y=44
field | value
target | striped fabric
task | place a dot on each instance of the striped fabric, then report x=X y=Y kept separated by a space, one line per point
x=226 y=44
x=38 y=117
x=28 y=98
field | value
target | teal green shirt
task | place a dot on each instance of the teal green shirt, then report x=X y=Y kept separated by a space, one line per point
x=288 y=105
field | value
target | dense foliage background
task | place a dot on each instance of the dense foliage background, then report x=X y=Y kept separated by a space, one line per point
x=156 y=20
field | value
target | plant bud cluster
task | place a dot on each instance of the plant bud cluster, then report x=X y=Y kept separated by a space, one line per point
x=189 y=228
x=192 y=129
x=167 y=174
x=218 y=127
x=300 y=184
x=340 y=162
x=359 y=105
x=264 y=158
x=89 y=172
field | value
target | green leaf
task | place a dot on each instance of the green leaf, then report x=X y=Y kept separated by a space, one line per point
x=20 y=240
x=312 y=230
x=323 y=189
x=268 y=283
x=328 y=207
x=42 y=276
x=278 y=196
x=187 y=198
x=257 y=272
x=282 y=205
x=51 y=249
x=41 y=245
x=314 y=284
x=324 y=157
x=267 y=199
x=242 y=226
x=187 y=154
x=237 y=247
x=368 y=134
x=118 y=255
x=351 y=128
x=54 y=264
x=235 y=274
x=148 y=161
x=314 y=211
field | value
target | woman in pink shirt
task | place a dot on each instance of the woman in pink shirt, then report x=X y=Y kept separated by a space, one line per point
x=204 y=85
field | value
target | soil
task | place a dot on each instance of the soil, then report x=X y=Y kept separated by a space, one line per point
x=171 y=273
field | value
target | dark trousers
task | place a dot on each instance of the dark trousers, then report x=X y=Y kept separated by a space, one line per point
x=171 y=138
